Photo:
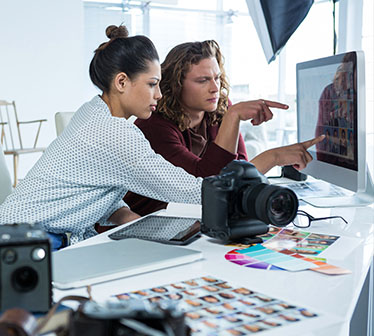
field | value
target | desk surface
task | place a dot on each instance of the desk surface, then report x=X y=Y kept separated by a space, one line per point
x=334 y=296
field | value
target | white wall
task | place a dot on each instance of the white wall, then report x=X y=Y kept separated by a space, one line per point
x=41 y=63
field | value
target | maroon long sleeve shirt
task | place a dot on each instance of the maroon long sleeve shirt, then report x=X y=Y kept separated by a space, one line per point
x=175 y=146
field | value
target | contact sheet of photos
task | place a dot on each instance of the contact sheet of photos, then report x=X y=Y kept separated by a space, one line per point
x=303 y=242
x=216 y=307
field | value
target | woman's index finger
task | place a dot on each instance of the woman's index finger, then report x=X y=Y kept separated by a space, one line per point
x=312 y=142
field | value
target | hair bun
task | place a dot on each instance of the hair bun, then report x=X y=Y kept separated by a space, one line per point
x=113 y=32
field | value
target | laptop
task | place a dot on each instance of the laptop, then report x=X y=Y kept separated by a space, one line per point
x=87 y=265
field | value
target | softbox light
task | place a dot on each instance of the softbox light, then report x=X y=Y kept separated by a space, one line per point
x=275 y=22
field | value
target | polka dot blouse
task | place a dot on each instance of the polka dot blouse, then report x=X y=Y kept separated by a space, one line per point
x=83 y=175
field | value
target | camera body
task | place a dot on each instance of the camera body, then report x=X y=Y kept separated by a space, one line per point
x=25 y=268
x=239 y=203
x=127 y=317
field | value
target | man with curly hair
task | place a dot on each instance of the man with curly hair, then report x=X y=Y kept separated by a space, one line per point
x=196 y=127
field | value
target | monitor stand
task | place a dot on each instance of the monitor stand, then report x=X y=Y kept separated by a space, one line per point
x=358 y=199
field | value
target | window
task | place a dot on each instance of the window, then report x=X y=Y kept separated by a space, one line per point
x=170 y=22
x=368 y=48
x=227 y=22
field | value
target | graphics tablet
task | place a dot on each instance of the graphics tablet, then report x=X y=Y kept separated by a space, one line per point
x=163 y=229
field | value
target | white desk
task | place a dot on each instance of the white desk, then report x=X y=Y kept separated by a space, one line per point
x=332 y=295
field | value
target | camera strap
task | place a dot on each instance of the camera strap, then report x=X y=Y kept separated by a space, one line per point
x=52 y=311
x=141 y=327
x=18 y=322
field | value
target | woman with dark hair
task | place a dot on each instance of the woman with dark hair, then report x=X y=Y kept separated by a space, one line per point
x=84 y=174
x=195 y=126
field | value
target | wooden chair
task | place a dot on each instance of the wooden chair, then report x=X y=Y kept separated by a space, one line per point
x=12 y=144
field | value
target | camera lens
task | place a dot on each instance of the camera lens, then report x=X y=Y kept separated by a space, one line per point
x=24 y=279
x=281 y=208
x=272 y=204
x=277 y=205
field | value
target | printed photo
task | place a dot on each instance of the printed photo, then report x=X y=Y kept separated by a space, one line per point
x=232 y=332
x=253 y=328
x=159 y=290
x=155 y=299
x=124 y=296
x=228 y=295
x=174 y=296
x=270 y=323
x=243 y=291
x=210 y=299
x=194 y=315
x=307 y=313
x=223 y=285
x=141 y=293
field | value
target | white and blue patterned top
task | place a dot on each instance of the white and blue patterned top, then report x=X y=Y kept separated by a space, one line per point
x=83 y=175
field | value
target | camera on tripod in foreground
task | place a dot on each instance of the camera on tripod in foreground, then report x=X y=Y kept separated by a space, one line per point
x=239 y=203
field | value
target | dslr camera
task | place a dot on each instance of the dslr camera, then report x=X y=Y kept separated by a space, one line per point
x=239 y=203
x=129 y=317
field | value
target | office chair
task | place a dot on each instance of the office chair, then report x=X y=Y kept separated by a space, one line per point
x=13 y=143
x=5 y=179
x=57 y=240
x=61 y=120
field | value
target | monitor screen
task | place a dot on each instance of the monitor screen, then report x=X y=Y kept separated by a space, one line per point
x=330 y=101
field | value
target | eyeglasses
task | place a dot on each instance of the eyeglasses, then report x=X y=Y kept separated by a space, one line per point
x=304 y=220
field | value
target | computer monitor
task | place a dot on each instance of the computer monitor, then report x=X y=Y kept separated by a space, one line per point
x=331 y=101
